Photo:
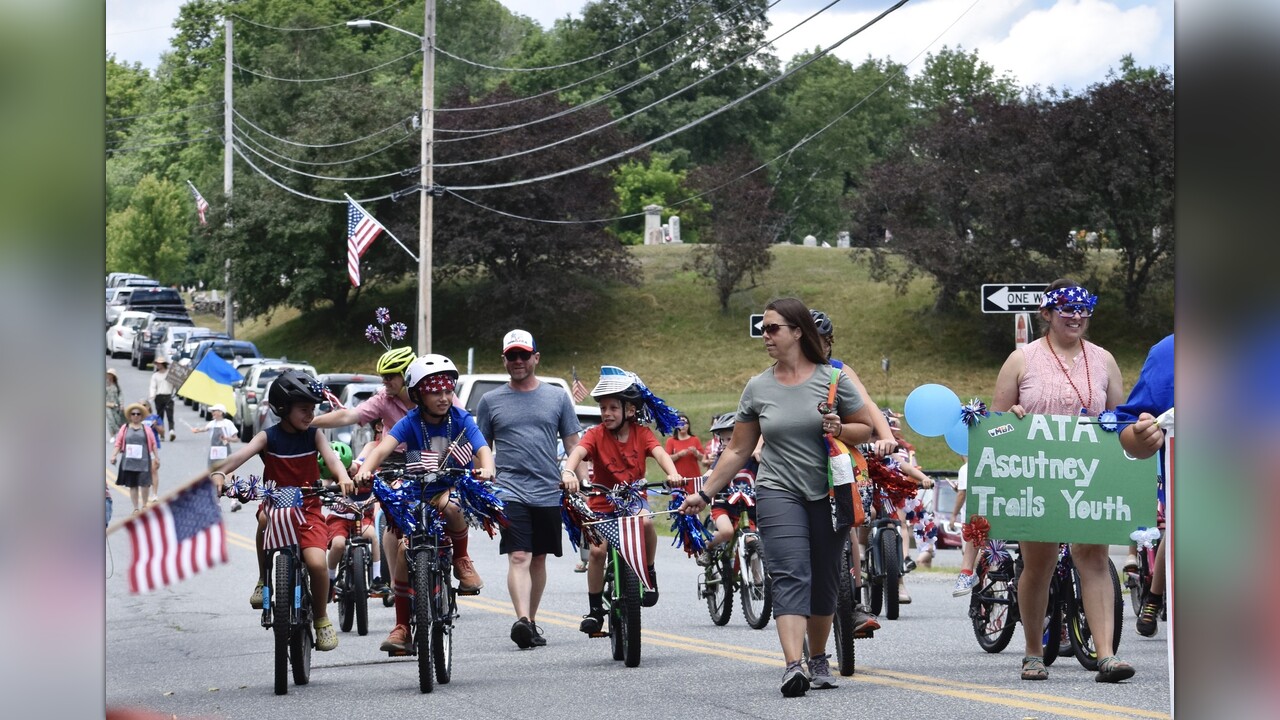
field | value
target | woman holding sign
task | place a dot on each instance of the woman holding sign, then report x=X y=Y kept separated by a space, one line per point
x=788 y=403
x=1063 y=374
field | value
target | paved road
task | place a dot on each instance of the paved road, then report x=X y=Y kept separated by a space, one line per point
x=196 y=649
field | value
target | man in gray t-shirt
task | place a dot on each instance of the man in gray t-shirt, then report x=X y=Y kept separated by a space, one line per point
x=522 y=421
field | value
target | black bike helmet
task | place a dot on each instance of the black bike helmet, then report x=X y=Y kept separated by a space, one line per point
x=292 y=386
x=823 y=322
x=725 y=421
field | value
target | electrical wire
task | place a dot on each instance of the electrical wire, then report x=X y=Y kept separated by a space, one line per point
x=315 y=164
x=374 y=134
x=163 y=112
x=602 y=73
x=801 y=143
x=244 y=69
x=600 y=54
x=131 y=148
x=282 y=166
x=659 y=101
x=693 y=123
x=132 y=138
x=299 y=193
x=318 y=27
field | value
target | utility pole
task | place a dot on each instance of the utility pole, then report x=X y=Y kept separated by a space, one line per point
x=425 y=197
x=228 y=309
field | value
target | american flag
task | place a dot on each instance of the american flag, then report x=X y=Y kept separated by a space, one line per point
x=284 y=514
x=176 y=539
x=202 y=205
x=627 y=535
x=461 y=454
x=429 y=461
x=362 y=229
x=331 y=398
x=579 y=390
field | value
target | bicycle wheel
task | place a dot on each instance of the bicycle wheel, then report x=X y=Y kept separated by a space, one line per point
x=753 y=583
x=425 y=581
x=281 y=600
x=617 y=610
x=342 y=588
x=871 y=584
x=993 y=608
x=301 y=640
x=719 y=589
x=1082 y=643
x=891 y=565
x=1053 y=628
x=842 y=627
x=1139 y=583
x=631 y=615
x=442 y=637
x=358 y=589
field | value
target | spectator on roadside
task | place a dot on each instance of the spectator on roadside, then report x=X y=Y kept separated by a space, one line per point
x=115 y=414
x=785 y=403
x=141 y=458
x=522 y=421
x=686 y=449
x=161 y=394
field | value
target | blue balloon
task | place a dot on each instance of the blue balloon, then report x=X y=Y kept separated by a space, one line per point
x=932 y=409
x=958 y=438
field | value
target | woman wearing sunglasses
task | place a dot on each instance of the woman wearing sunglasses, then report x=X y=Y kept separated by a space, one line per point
x=138 y=445
x=1061 y=373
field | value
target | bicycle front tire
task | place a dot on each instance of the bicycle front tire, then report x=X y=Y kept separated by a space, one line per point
x=631 y=615
x=358 y=588
x=1082 y=643
x=842 y=627
x=719 y=589
x=753 y=584
x=993 y=609
x=281 y=602
x=424 y=581
x=891 y=565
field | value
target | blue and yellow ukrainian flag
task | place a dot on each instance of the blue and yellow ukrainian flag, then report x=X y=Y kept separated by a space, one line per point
x=210 y=383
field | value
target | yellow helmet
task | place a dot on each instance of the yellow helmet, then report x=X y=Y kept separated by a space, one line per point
x=396 y=360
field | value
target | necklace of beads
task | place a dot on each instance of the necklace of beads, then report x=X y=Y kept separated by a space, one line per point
x=1088 y=379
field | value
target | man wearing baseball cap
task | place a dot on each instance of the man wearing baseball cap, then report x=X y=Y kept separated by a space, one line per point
x=522 y=420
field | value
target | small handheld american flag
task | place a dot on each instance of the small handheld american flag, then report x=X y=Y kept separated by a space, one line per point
x=176 y=538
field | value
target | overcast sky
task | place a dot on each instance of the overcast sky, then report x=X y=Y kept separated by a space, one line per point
x=1065 y=43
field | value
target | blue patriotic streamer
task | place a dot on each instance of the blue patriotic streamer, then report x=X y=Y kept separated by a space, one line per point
x=688 y=529
x=626 y=497
x=480 y=504
x=399 y=504
x=656 y=410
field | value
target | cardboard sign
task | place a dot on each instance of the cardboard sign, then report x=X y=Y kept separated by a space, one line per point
x=1054 y=478
x=178 y=375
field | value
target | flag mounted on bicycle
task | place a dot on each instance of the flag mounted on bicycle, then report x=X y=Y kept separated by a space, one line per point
x=283 y=506
x=176 y=538
x=627 y=535
x=362 y=230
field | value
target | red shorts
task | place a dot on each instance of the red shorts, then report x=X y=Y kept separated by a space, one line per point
x=734 y=516
x=340 y=526
x=314 y=531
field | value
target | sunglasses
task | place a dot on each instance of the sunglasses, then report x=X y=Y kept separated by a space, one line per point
x=1067 y=311
x=773 y=328
x=135 y=412
x=517 y=355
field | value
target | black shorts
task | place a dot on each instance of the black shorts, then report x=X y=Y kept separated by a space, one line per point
x=536 y=530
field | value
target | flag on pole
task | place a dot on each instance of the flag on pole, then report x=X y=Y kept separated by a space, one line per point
x=176 y=538
x=579 y=390
x=627 y=535
x=283 y=507
x=362 y=230
x=202 y=205
x=211 y=383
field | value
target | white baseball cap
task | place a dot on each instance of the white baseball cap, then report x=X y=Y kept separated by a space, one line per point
x=219 y=407
x=518 y=340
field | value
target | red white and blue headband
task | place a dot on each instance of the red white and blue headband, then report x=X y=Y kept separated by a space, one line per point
x=1074 y=295
x=442 y=382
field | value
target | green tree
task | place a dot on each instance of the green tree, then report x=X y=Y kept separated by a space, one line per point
x=952 y=79
x=742 y=225
x=150 y=236
x=125 y=86
x=638 y=184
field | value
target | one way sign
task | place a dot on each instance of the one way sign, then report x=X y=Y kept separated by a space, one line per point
x=1012 y=298
x=756 y=326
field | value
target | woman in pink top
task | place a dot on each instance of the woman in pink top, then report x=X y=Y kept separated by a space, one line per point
x=1063 y=374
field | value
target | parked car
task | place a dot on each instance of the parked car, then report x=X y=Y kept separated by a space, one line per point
x=136 y=282
x=351 y=394
x=172 y=338
x=471 y=388
x=148 y=339
x=197 y=335
x=116 y=279
x=117 y=304
x=120 y=335
x=156 y=299
x=224 y=348
x=940 y=501
x=253 y=392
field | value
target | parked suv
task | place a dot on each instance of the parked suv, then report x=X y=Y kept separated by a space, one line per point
x=118 y=304
x=149 y=337
x=253 y=391
x=156 y=299
x=224 y=348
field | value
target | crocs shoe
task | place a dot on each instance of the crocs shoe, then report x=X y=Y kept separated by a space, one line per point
x=255 y=600
x=326 y=636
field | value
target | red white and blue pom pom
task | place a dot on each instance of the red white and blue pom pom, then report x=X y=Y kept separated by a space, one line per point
x=689 y=532
x=575 y=514
x=973 y=412
x=480 y=504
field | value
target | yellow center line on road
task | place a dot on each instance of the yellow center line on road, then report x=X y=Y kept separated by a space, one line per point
x=1038 y=702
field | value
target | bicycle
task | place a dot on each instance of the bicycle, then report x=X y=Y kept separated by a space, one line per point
x=883 y=562
x=738 y=566
x=1078 y=625
x=351 y=587
x=1139 y=583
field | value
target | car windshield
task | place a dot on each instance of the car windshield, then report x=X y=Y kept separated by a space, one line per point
x=479 y=388
x=134 y=322
x=229 y=351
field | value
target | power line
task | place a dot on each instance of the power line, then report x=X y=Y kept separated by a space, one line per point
x=267 y=76
x=299 y=193
x=376 y=133
x=318 y=27
x=659 y=101
x=245 y=136
x=695 y=122
x=398 y=173
x=162 y=135
x=131 y=148
x=162 y=112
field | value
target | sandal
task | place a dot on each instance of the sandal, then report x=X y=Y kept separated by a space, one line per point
x=1112 y=670
x=1033 y=669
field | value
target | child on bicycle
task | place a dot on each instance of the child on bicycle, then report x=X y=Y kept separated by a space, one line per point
x=379 y=585
x=339 y=521
x=288 y=450
x=437 y=434
x=725 y=515
x=617 y=449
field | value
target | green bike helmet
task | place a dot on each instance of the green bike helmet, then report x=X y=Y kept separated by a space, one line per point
x=396 y=360
x=343 y=451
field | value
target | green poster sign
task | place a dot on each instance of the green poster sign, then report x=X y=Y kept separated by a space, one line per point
x=1055 y=478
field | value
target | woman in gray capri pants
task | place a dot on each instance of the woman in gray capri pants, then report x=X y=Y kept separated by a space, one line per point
x=794 y=515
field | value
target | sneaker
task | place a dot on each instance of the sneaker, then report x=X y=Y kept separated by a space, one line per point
x=522 y=633
x=904 y=598
x=255 y=600
x=326 y=636
x=172 y=436
x=908 y=565
x=1147 y=617
x=649 y=598
x=580 y=567
x=397 y=640
x=1131 y=564
x=820 y=673
x=469 y=581
x=538 y=640
x=863 y=620
x=964 y=584
x=235 y=506
x=794 y=682
x=378 y=588
x=706 y=558
x=592 y=622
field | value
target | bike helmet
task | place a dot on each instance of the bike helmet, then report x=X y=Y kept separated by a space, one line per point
x=822 y=322
x=396 y=360
x=724 y=422
x=616 y=382
x=290 y=387
x=343 y=451
x=418 y=377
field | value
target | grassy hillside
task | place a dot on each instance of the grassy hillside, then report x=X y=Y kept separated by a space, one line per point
x=670 y=331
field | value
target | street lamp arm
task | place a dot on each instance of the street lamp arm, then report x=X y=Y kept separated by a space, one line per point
x=362 y=23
